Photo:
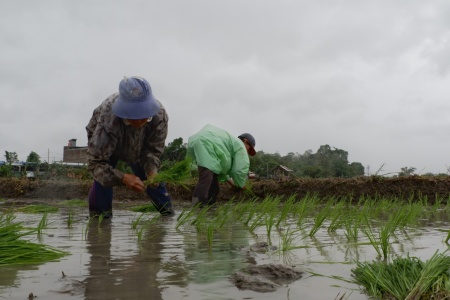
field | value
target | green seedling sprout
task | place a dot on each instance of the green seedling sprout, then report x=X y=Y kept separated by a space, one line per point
x=70 y=219
x=321 y=216
x=42 y=224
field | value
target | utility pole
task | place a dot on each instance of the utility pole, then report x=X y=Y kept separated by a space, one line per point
x=48 y=155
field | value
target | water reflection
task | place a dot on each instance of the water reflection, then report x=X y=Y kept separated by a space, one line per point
x=113 y=276
x=9 y=274
x=210 y=263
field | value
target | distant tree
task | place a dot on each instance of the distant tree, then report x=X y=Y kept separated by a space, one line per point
x=262 y=163
x=33 y=157
x=11 y=157
x=356 y=169
x=327 y=162
x=174 y=151
x=406 y=171
x=6 y=171
x=312 y=171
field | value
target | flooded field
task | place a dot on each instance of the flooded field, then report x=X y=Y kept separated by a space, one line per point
x=145 y=256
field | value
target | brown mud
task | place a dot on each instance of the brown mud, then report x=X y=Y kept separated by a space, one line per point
x=265 y=278
x=408 y=188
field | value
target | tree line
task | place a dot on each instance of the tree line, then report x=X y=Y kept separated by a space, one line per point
x=326 y=162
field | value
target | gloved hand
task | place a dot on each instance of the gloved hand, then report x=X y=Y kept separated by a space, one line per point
x=133 y=182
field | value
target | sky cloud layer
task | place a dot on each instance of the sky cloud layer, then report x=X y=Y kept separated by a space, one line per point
x=370 y=78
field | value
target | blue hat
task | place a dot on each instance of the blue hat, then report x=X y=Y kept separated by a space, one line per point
x=135 y=100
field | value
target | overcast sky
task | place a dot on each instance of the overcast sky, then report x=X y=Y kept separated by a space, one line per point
x=368 y=77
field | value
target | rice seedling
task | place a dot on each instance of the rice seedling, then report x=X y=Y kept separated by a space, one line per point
x=224 y=215
x=42 y=224
x=87 y=226
x=286 y=209
x=137 y=221
x=210 y=231
x=448 y=237
x=38 y=208
x=288 y=240
x=433 y=277
x=304 y=207
x=185 y=216
x=100 y=219
x=15 y=251
x=70 y=219
x=269 y=222
x=239 y=209
x=201 y=219
x=145 y=225
x=252 y=209
x=405 y=278
x=268 y=207
x=178 y=174
x=320 y=217
x=438 y=201
x=381 y=243
x=139 y=232
x=337 y=220
x=354 y=218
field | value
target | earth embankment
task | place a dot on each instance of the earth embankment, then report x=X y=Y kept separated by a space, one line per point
x=408 y=188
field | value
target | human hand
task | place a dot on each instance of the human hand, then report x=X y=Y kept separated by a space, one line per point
x=133 y=182
x=150 y=179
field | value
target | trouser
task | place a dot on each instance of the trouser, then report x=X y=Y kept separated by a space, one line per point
x=207 y=188
x=100 y=197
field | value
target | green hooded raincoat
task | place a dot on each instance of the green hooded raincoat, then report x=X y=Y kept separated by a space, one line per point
x=224 y=154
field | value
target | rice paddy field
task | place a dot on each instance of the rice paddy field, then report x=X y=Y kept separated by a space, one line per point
x=377 y=248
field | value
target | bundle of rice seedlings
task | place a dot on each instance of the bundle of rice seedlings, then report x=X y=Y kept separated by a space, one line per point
x=405 y=278
x=75 y=202
x=15 y=251
x=144 y=208
x=38 y=208
x=433 y=279
x=178 y=174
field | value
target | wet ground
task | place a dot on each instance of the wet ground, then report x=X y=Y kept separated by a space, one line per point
x=122 y=258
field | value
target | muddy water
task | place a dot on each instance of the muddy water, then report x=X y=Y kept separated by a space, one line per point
x=111 y=260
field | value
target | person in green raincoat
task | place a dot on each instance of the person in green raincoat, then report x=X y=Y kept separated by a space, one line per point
x=219 y=156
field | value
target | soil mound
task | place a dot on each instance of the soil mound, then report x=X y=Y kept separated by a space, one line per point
x=265 y=278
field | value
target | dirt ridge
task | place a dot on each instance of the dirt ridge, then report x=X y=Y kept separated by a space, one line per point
x=408 y=188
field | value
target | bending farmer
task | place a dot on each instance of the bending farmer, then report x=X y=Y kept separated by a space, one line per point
x=130 y=126
x=220 y=156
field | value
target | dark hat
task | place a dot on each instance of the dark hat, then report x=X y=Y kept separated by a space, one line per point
x=250 y=140
x=135 y=100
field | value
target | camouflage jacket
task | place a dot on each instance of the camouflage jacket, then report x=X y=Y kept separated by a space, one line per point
x=110 y=139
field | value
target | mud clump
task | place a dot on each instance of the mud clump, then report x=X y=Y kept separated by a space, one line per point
x=262 y=247
x=265 y=278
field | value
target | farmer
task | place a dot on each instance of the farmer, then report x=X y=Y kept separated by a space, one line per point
x=130 y=126
x=220 y=156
